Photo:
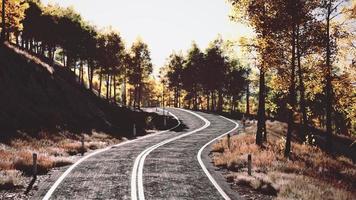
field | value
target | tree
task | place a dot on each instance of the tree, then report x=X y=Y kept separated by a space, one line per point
x=140 y=69
x=111 y=57
x=175 y=72
x=213 y=74
x=12 y=12
x=235 y=81
x=191 y=74
x=330 y=8
x=256 y=14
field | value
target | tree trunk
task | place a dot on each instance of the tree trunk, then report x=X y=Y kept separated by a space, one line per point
x=139 y=95
x=179 y=104
x=248 y=99
x=207 y=101
x=107 y=86
x=110 y=88
x=220 y=101
x=175 y=97
x=124 y=91
x=114 y=85
x=261 y=123
x=90 y=74
x=328 y=86
x=135 y=96
x=3 y=30
x=100 y=81
x=82 y=72
x=303 y=131
x=291 y=100
x=17 y=35
x=212 y=101
x=195 y=100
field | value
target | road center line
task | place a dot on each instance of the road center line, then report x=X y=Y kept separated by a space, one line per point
x=63 y=176
x=141 y=158
x=137 y=162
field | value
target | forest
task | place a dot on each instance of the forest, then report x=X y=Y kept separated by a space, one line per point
x=302 y=63
x=302 y=70
x=297 y=69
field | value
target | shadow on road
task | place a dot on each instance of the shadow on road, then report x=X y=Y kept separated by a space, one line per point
x=29 y=187
x=181 y=127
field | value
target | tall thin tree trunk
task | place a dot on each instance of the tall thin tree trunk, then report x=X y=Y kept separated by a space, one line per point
x=303 y=131
x=3 y=30
x=135 y=96
x=90 y=74
x=207 y=101
x=82 y=72
x=107 y=86
x=139 y=95
x=291 y=99
x=261 y=109
x=179 y=98
x=110 y=87
x=100 y=80
x=114 y=84
x=212 y=101
x=220 y=101
x=248 y=99
x=328 y=86
x=17 y=35
x=124 y=99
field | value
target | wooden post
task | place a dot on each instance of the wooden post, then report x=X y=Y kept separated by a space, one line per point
x=249 y=163
x=243 y=121
x=134 y=130
x=228 y=140
x=82 y=146
x=34 y=165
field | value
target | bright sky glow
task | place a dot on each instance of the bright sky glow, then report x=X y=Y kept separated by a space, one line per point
x=165 y=25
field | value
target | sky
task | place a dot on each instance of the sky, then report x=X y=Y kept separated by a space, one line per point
x=165 y=25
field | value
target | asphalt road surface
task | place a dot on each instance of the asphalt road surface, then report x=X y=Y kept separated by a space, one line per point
x=172 y=164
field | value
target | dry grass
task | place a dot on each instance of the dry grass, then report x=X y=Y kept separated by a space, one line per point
x=308 y=174
x=10 y=179
x=16 y=158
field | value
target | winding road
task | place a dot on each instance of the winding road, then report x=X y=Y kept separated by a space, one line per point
x=171 y=164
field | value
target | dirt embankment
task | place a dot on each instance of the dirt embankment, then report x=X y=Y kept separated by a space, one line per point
x=44 y=110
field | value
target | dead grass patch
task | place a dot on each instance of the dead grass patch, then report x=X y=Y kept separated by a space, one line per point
x=10 y=179
x=16 y=158
x=308 y=174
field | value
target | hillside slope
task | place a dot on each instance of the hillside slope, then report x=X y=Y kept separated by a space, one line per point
x=35 y=96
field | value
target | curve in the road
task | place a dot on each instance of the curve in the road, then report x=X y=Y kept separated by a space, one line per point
x=137 y=173
x=71 y=168
x=212 y=180
x=138 y=161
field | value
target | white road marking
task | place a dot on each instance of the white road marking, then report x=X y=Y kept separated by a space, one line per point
x=63 y=176
x=212 y=180
x=141 y=158
x=137 y=162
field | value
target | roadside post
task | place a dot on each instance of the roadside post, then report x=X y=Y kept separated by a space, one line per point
x=243 y=121
x=164 y=121
x=34 y=155
x=228 y=140
x=134 y=130
x=82 y=141
x=249 y=163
